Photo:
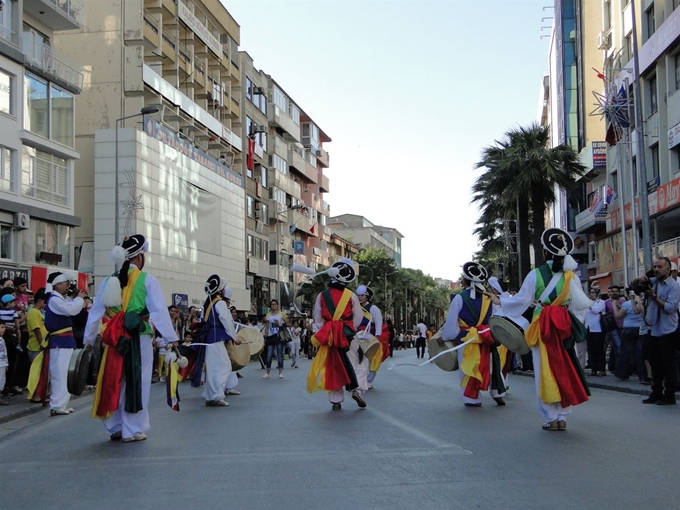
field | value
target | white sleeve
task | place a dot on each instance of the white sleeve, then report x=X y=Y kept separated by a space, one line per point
x=316 y=314
x=94 y=317
x=451 y=327
x=61 y=306
x=358 y=311
x=158 y=310
x=377 y=320
x=224 y=315
x=514 y=306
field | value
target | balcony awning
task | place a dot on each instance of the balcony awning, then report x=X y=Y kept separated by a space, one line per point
x=599 y=276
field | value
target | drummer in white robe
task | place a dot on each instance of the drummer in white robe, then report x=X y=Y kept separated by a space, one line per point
x=468 y=317
x=232 y=380
x=557 y=291
x=217 y=317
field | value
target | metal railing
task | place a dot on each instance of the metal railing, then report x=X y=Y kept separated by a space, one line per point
x=6 y=34
x=72 y=9
x=45 y=58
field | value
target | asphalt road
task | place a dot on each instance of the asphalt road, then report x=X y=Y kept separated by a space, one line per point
x=415 y=446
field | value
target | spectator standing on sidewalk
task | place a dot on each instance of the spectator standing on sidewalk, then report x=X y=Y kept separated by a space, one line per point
x=663 y=297
x=421 y=339
x=614 y=337
x=4 y=362
x=630 y=354
x=595 y=338
x=37 y=334
x=10 y=318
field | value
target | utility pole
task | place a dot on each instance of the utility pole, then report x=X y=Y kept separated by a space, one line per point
x=639 y=127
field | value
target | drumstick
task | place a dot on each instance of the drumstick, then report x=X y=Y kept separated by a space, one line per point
x=440 y=354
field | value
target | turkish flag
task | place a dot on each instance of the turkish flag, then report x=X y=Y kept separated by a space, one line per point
x=82 y=282
x=38 y=278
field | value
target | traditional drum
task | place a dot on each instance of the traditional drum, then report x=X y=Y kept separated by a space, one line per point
x=447 y=362
x=253 y=339
x=239 y=355
x=77 y=371
x=509 y=331
x=368 y=343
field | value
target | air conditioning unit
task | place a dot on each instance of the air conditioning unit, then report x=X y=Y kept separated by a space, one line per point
x=319 y=152
x=21 y=221
x=257 y=128
x=258 y=91
x=258 y=215
x=258 y=206
x=603 y=41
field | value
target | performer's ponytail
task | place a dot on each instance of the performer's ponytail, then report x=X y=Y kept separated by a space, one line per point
x=558 y=263
x=123 y=274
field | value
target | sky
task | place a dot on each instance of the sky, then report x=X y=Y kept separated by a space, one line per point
x=410 y=91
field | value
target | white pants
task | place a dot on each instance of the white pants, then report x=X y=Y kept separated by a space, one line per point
x=360 y=369
x=232 y=380
x=217 y=370
x=134 y=423
x=59 y=361
x=550 y=412
x=294 y=350
x=461 y=375
x=3 y=377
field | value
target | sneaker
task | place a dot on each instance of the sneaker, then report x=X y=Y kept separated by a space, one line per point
x=280 y=375
x=358 y=399
x=266 y=376
x=137 y=437
x=70 y=410
x=232 y=392
x=337 y=406
x=370 y=386
x=221 y=403
x=116 y=436
x=161 y=379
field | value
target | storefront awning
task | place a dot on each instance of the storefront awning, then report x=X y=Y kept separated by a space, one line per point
x=599 y=276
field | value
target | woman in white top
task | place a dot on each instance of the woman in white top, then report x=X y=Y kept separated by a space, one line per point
x=275 y=320
x=294 y=344
x=596 y=337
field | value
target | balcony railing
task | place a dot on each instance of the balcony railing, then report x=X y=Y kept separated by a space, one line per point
x=7 y=34
x=70 y=13
x=43 y=57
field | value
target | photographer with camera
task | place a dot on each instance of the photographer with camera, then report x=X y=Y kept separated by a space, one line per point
x=630 y=353
x=663 y=296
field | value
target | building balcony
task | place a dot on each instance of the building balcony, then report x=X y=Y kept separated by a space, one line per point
x=46 y=61
x=277 y=211
x=592 y=222
x=280 y=119
x=57 y=14
x=283 y=182
x=165 y=7
x=152 y=31
x=278 y=146
x=297 y=162
x=322 y=157
x=324 y=183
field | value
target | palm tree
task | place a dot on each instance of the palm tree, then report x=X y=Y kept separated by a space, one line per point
x=541 y=170
x=522 y=174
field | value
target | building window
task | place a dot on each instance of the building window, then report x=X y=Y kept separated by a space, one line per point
x=629 y=46
x=294 y=113
x=250 y=206
x=264 y=209
x=676 y=59
x=653 y=100
x=607 y=14
x=265 y=250
x=651 y=25
x=6 y=174
x=279 y=196
x=6 y=93
x=249 y=88
x=36 y=118
x=635 y=176
x=655 y=163
x=280 y=100
x=249 y=126
x=280 y=164
x=250 y=245
x=44 y=176
x=46 y=237
x=61 y=118
x=6 y=20
x=263 y=176
x=675 y=159
x=5 y=242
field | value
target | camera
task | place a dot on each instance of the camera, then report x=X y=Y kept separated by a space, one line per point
x=640 y=288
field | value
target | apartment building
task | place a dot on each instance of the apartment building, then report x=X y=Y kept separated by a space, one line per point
x=160 y=115
x=285 y=211
x=38 y=90
x=658 y=31
x=567 y=103
x=362 y=232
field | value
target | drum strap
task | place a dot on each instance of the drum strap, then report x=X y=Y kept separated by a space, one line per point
x=550 y=287
x=471 y=307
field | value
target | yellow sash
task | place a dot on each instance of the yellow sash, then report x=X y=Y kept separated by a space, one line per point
x=548 y=391
x=471 y=354
x=127 y=295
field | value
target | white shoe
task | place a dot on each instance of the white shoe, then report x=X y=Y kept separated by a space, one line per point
x=232 y=392
x=280 y=375
x=266 y=376
x=370 y=386
x=70 y=410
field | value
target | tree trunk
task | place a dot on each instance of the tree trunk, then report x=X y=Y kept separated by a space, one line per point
x=538 y=216
x=523 y=240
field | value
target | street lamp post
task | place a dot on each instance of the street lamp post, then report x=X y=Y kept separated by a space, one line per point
x=278 y=251
x=146 y=110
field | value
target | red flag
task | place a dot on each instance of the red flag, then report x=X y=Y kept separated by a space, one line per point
x=82 y=282
x=250 y=159
x=38 y=277
x=312 y=229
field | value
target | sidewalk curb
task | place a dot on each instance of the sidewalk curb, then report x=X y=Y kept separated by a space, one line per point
x=644 y=391
x=31 y=409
